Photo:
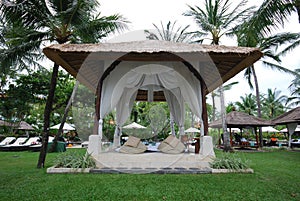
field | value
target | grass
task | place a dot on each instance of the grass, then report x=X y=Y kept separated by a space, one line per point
x=276 y=177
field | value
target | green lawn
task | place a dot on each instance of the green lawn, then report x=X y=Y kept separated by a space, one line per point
x=276 y=177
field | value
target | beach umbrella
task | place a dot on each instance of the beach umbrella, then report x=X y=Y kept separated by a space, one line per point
x=285 y=129
x=134 y=125
x=67 y=127
x=192 y=130
x=268 y=129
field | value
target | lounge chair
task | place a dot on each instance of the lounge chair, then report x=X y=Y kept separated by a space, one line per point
x=133 y=146
x=171 y=145
x=37 y=147
x=19 y=142
x=26 y=145
x=7 y=141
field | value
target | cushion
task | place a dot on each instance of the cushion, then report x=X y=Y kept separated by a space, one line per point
x=171 y=140
x=133 y=150
x=132 y=141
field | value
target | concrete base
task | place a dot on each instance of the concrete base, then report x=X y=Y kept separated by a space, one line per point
x=206 y=147
x=94 y=147
x=151 y=162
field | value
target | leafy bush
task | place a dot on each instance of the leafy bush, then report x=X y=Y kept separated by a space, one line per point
x=229 y=161
x=74 y=160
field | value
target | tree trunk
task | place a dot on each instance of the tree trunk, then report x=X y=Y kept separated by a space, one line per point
x=67 y=109
x=213 y=106
x=258 y=104
x=227 y=146
x=47 y=113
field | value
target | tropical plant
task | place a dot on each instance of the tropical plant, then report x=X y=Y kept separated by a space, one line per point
x=256 y=31
x=35 y=23
x=74 y=160
x=247 y=104
x=169 y=33
x=218 y=18
x=229 y=161
x=272 y=104
x=294 y=99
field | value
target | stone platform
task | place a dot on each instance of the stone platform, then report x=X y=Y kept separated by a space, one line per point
x=151 y=162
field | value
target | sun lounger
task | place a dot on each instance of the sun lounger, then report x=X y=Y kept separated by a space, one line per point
x=7 y=141
x=19 y=142
x=37 y=147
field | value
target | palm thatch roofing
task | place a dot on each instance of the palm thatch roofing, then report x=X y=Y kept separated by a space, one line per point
x=17 y=125
x=227 y=60
x=292 y=116
x=236 y=119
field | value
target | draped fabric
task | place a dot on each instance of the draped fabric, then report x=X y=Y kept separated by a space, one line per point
x=178 y=83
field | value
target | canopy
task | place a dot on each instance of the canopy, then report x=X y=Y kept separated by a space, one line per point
x=67 y=127
x=292 y=116
x=22 y=125
x=192 y=130
x=180 y=73
x=134 y=125
x=236 y=119
x=285 y=130
x=268 y=129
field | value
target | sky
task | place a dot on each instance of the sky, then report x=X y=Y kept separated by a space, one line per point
x=142 y=15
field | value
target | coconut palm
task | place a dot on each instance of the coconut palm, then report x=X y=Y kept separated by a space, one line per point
x=247 y=104
x=294 y=99
x=272 y=103
x=169 y=33
x=217 y=19
x=38 y=22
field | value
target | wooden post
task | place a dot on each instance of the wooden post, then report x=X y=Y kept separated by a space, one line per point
x=204 y=108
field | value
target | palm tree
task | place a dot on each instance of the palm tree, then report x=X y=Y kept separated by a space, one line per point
x=256 y=31
x=294 y=99
x=247 y=104
x=215 y=21
x=272 y=103
x=169 y=33
x=38 y=22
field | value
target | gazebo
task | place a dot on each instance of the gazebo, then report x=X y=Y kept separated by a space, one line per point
x=241 y=120
x=291 y=119
x=179 y=73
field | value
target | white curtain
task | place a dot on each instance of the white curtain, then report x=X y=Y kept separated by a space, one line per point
x=119 y=87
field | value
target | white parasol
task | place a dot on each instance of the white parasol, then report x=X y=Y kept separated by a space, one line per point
x=67 y=127
x=192 y=130
x=134 y=126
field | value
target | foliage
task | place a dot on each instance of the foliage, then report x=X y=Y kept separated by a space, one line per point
x=247 y=104
x=272 y=104
x=74 y=160
x=169 y=33
x=25 y=97
x=294 y=99
x=218 y=18
x=229 y=161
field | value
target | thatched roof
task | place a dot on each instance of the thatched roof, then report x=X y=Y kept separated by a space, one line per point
x=227 y=60
x=236 y=119
x=292 y=116
x=19 y=125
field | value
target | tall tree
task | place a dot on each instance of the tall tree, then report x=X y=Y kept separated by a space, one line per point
x=39 y=22
x=256 y=31
x=247 y=104
x=294 y=99
x=217 y=19
x=272 y=103
x=169 y=33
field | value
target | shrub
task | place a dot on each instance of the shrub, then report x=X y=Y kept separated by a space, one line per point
x=74 y=160
x=229 y=161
